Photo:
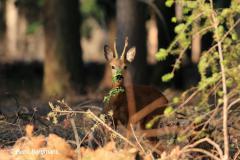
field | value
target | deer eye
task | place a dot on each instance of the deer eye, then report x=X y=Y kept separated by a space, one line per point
x=113 y=67
x=125 y=67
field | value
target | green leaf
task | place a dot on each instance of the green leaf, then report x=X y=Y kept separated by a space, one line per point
x=225 y=12
x=198 y=120
x=162 y=54
x=169 y=3
x=209 y=81
x=179 y=28
x=174 y=20
x=229 y=82
x=220 y=101
x=150 y=124
x=220 y=93
x=219 y=31
x=176 y=100
x=186 y=10
x=181 y=138
x=169 y=111
x=192 y=4
x=167 y=77
x=234 y=36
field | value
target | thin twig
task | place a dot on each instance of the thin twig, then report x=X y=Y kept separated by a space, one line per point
x=81 y=112
x=237 y=154
x=233 y=103
x=211 y=117
x=204 y=29
x=76 y=136
x=225 y=35
x=139 y=144
x=110 y=129
x=86 y=135
x=178 y=60
x=217 y=147
x=186 y=26
x=189 y=98
x=202 y=151
x=225 y=98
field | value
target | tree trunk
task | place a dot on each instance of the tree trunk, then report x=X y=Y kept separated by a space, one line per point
x=131 y=23
x=2 y=26
x=2 y=17
x=106 y=81
x=63 y=66
x=11 y=29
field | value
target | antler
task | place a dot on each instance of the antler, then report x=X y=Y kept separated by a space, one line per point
x=124 y=49
x=115 y=50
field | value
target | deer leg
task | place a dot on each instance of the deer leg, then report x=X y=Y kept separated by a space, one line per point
x=148 y=109
x=160 y=131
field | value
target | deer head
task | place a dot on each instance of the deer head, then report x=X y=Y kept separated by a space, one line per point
x=119 y=64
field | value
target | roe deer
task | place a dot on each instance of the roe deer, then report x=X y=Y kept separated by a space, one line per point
x=143 y=104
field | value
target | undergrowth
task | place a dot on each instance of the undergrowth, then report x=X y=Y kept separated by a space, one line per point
x=211 y=108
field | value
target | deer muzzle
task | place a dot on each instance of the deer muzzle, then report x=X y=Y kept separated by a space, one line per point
x=119 y=77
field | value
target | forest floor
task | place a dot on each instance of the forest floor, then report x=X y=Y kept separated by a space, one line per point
x=28 y=135
x=28 y=131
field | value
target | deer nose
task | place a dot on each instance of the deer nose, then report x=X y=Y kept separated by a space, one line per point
x=119 y=77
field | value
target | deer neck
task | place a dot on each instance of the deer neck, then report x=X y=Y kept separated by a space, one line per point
x=116 y=91
x=118 y=85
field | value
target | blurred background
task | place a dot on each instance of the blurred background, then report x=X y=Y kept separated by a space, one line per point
x=54 y=48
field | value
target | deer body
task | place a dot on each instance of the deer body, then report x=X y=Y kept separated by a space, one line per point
x=142 y=95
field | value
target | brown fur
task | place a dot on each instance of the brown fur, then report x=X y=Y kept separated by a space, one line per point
x=134 y=100
x=144 y=95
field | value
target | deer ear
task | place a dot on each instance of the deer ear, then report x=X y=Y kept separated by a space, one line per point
x=108 y=53
x=131 y=54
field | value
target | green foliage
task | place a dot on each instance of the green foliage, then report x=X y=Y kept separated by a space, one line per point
x=33 y=27
x=169 y=111
x=169 y=3
x=234 y=36
x=150 y=124
x=91 y=8
x=219 y=31
x=181 y=138
x=162 y=54
x=113 y=92
x=179 y=28
x=203 y=84
x=198 y=119
x=40 y=3
x=176 y=100
x=203 y=104
x=118 y=73
x=88 y=6
x=167 y=77
x=174 y=20
x=191 y=4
